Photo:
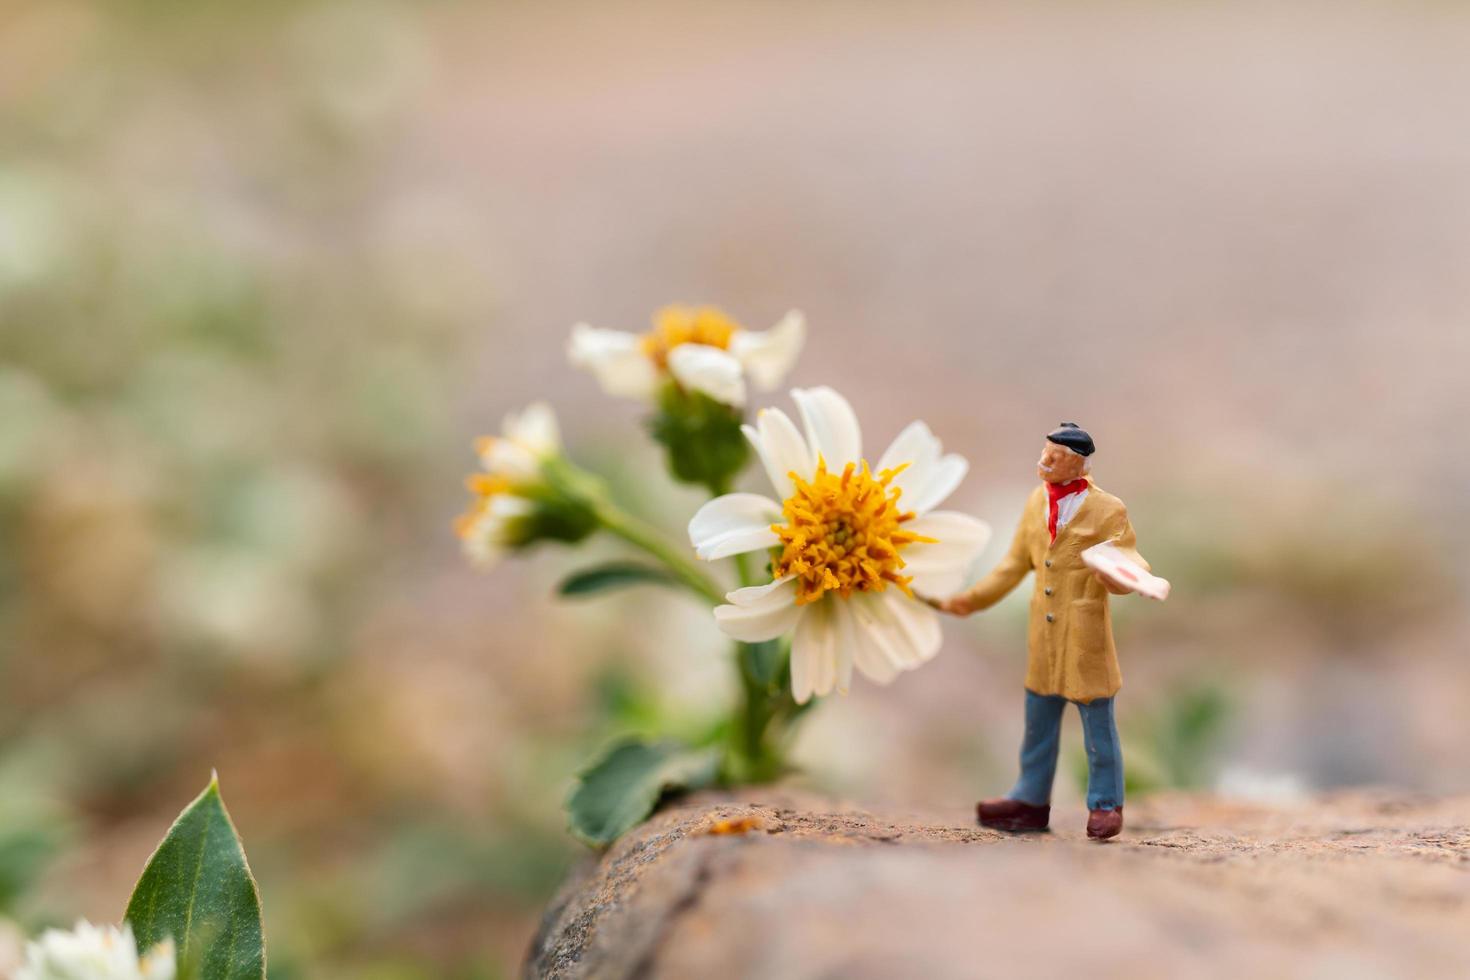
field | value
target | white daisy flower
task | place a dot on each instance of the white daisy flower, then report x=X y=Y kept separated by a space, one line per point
x=90 y=952
x=526 y=440
x=511 y=489
x=487 y=531
x=851 y=544
x=700 y=348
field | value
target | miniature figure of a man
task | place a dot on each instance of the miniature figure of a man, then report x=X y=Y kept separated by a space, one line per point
x=1070 y=641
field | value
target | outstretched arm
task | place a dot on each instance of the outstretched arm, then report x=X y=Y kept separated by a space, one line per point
x=993 y=587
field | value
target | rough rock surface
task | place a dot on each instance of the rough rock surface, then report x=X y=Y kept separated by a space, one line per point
x=770 y=884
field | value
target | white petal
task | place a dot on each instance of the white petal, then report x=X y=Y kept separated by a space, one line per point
x=917 y=633
x=482 y=553
x=534 y=428
x=734 y=524
x=485 y=542
x=814 y=652
x=940 y=569
x=802 y=664
x=507 y=458
x=889 y=632
x=768 y=355
x=753 y=626
x=832 y=429
x=781 y=449
x=917 y=447
x=160 y=962
x=616 y=358
x=775 y=592
x=760 y=613
x=876 y=649
x=942 y=478
x=708 y=369
x=929 y=477
x=506 y=506
x=824 y=681
x=847 y=638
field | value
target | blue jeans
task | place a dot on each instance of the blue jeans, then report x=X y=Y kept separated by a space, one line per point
x=1039 y=751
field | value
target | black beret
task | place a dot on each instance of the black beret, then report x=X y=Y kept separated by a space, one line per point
x=1074 y=438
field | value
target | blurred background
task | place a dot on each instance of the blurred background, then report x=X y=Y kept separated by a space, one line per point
x=266 y=269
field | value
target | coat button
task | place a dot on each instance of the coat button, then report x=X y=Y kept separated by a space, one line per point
x=1050 y=618
x=1048 y=563
x=1048 y=590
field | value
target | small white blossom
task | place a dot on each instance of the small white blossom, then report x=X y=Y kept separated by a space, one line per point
x=699 y=348
x=510 y=468
x=524 y=491
x=91 y=952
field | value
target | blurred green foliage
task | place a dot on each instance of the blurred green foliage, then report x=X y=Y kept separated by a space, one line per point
x=1174 y=743
x=1352 y=567
x=223 y=347
x=29 y=842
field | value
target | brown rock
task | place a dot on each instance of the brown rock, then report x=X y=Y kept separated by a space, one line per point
x=771 y=884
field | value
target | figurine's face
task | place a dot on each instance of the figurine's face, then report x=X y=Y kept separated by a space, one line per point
x=1058 y=464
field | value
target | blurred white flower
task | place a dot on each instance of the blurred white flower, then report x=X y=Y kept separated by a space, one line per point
x=91 y=952
x=526 y=440
x=236 y=601
x=840 y=539
x=12 y=948
x=700 y=348
x=486 y=529
x=32 y=219
x=517 y=500
x=1254 y=786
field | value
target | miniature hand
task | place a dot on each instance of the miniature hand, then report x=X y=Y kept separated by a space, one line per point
x=1116 y=588
x=958 y=605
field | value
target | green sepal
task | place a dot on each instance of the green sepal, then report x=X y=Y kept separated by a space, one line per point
x=701 y=438
x=552 y=518
x=620 y=789
x=198 y=891
x=613 y=575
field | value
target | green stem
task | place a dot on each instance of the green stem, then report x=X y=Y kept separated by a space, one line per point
x=764 y=715
x=742 y=570
x=761 y=726
x=623 y=525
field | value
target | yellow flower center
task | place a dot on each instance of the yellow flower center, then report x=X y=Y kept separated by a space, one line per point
x=675 y=325
x=844 y=534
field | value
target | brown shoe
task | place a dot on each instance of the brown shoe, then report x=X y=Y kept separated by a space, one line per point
x=1012 y=815
x=1102 y=824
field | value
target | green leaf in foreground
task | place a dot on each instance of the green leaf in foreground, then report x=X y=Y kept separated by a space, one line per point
x=616 y=792
x=198 y=890
x=613 y=575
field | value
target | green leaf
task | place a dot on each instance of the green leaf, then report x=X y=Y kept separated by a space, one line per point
x=620 y=789
x=613 y=575
x=198 y=890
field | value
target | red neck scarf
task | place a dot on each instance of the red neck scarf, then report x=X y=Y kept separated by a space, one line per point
x=1055 y=492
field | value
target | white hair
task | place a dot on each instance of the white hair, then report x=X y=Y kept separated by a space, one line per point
x=1086 y=460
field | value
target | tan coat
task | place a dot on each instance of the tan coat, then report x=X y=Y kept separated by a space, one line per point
x=1070 y=640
